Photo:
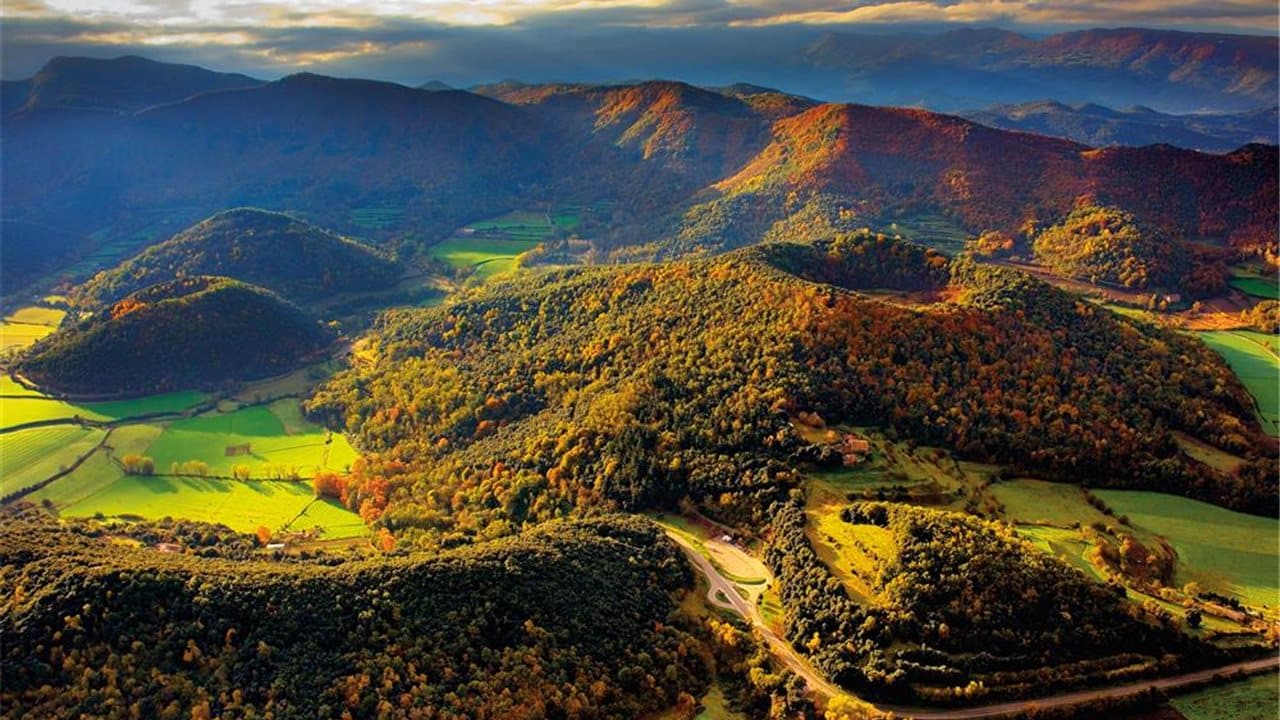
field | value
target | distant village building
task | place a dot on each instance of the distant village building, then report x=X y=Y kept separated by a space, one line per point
x=853 y=449
x=165 y=547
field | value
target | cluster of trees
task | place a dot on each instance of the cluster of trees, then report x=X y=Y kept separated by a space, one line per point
x=191 y=332
x=134 y=464
x=572 y=620
x=1105 y=245
x=964 y=610
x=633 y=387
x=1263 y=317
x=197 y=538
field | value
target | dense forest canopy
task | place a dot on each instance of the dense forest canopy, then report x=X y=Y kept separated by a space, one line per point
x=961 y=603
x=197 y=331
x=1107 y=245
x=634 y=386
x=573 y=619
x=290 y=257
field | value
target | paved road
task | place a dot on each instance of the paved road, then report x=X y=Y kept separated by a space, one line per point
x=780 y=647
x=783 y=651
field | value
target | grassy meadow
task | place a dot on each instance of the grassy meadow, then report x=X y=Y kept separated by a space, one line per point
x=26 y=325
x=279 y=439
x=931 y=229
x=243 y=506
x=30 y=456
x=282 y=445
x=1255 y=698
x=489 y=256
x=1227 y=552
x=376 y=218
x=34 y=407
x=1037 y=502
x=1253 y=357
x=491 y=246
x=1255 y=280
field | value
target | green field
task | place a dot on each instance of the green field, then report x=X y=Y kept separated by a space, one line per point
x=1066 y=545
x=1252 y=355
x=30 y=456
x=28 y=324
x=489 y=256
x=9 y=388
x=34 y=407
x=491 y=246
x=99 y=470
x=282 y=444
x=279 y=439
x=1253 y=699
x=1045 y=503
x=376 y=218
x=1255 y=280
x=930 y=229
x=1228 y=552
x=243 y=506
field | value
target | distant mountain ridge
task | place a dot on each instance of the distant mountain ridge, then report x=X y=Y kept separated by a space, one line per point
x=121 y=85
x=1165 y=69
x=1101 y=126
x=684 y=169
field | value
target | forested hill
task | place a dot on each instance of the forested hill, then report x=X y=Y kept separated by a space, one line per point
x=193 y=332
x=848 y=164
x=683 y=169
x=572 y=619
x=288 y=256
x=635 y=386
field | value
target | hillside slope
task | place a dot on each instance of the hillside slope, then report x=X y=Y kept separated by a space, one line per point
x=681 y=169
x=194 y=332
x=970 y=67
x=1100 y=126
x=635 y=386
x=569 y=618
x=324 y=148
x=290 y=257
x=842 y=164
x=121 y=85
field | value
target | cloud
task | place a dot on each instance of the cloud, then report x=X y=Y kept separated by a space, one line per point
x=1242 y=15
x=468 y=41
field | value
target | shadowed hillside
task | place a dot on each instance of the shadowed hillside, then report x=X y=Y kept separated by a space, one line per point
x=194 y=332
x=287 y=256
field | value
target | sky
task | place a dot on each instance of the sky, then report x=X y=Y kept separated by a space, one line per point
x=460 y=42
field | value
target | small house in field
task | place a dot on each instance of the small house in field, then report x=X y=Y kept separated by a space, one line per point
x=853 y=449
x=236 y=450
x=276 y=547
x=165 y=547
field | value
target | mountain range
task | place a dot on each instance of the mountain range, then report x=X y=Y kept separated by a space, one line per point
x=688 y=169
x=1101 y=126
x=1167 y=70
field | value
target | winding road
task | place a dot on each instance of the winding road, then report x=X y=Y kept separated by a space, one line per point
x=782 y=650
